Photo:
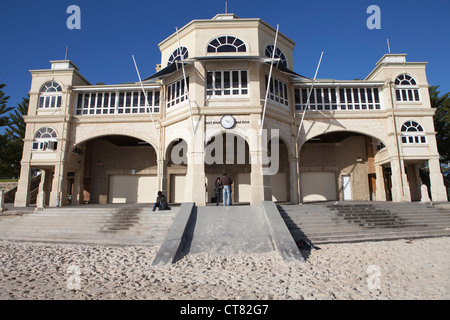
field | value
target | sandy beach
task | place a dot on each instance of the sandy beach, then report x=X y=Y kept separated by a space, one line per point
x=401 y=269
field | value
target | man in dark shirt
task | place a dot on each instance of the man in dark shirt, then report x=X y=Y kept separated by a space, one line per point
x=226 y=183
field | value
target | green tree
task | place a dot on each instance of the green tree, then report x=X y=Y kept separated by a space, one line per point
x=4 y=119
x=12 y=139
x=441 y=121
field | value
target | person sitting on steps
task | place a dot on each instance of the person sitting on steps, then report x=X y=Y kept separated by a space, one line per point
x=161 y=202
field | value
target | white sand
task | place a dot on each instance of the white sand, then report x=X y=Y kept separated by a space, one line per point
x=417 y=270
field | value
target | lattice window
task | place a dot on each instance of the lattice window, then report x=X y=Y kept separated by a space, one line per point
x=227 y=44
x=412 y=132
x=406 y=88
x=179 y=54
x=278 y=54
x=45 y=139
x=50 y=95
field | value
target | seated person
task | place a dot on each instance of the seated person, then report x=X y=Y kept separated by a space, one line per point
x=161 y=202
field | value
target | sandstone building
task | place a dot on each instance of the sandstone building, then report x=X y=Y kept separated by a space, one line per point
x=360 y=140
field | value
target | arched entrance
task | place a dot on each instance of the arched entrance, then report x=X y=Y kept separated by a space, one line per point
x=280 y=182
x=112 y=169
x=228 y=153
x=338 y=166
x=176 y=166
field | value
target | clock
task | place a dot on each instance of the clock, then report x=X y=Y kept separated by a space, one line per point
x=227 y=121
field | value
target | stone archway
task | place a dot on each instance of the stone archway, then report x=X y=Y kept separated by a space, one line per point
x=113 y=169
x=338 y=166
x=175 y=171
x=228 y=153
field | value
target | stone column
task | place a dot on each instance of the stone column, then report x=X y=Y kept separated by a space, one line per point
x=381 y=188
x=162 y=176
x=58 y=195
x=40 y=199
x=195 y=177
x=2 y=201
x=22 y=198
x=293 y=180
x=438 y=190
x=77 y=196
x=400 y=186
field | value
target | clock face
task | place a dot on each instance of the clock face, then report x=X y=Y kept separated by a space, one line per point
x=227 y=122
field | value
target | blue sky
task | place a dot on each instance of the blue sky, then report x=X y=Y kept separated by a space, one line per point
x=35 y=32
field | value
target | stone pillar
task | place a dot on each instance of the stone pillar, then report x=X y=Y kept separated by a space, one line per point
x=162 y=176
x=400 y=186
x=58 y=195
x=195 y=177
x=381 y=188
x=22 y=198
x=40 y=199
x=293 y=180
x=415 y=182
x=438 y=190
x=2 y=201
x=77 y=196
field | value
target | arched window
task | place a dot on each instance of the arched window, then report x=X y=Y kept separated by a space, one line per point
x=227 y=44
x=406 y=88
x=50 y=96
x=412 y=132
x=45 y=139
x=278 y=54
x=179 y=54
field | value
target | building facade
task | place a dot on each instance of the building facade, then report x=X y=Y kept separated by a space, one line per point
x=207 y=111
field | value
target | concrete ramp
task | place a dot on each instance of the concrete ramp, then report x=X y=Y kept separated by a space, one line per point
x=231 y=230
x=228 y=231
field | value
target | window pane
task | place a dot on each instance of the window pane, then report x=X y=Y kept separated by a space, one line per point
x=297 y=96
x=226 y=79
x=333 y=96
x=356 y=95
x=156 y=98
x=349 y=96
x=135 y=99
x=121 y=98
x=218 y=80
x=244 y=79
x=416 y=95
x=376 y=95
x=326 y=98
x=209 y=80
x=236 y=79
x=362 y=91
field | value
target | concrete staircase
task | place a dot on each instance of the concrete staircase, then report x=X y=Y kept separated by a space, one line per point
x=96 y=224
x=353 y=221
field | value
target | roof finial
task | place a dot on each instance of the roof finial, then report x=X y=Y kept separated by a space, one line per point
x=389 y=47
x=226 y=7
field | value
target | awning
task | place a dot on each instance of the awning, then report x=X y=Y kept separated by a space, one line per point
x=177 y=65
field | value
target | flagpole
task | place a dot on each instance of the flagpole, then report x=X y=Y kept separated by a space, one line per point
x=268 y=81
x=309 y=96
x=146 y=100
x=185 y=84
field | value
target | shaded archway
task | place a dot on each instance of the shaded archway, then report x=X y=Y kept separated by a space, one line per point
x=228 y=153
x=338 y=166
x=112 y=169
x=175 y=167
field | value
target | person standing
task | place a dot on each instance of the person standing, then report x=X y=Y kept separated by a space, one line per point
x=217 y=188
x=226 y=183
